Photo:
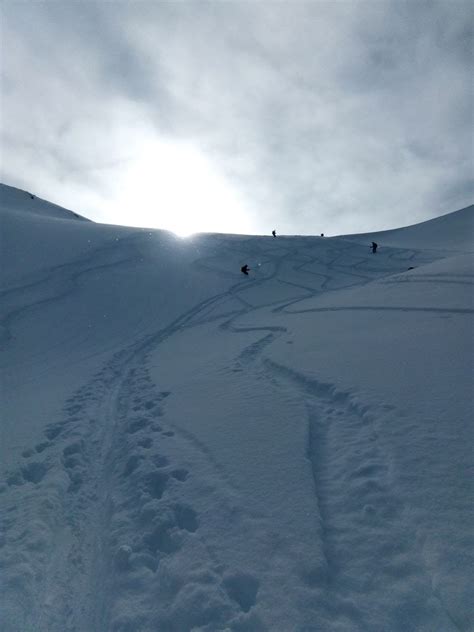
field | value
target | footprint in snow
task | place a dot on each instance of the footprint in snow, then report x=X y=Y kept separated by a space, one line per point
x=136 y=425
x=180 y=474
x=147 y=442
x=242 y=588
x=32 y=472
x=54 y=430
x=42 y=446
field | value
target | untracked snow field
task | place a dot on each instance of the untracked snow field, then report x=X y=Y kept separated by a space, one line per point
x=184 y=448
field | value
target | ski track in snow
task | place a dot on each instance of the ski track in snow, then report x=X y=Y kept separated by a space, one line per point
x=370 y=546
x=156 y=539
x=56 y=284
x=139 y=503
x=79 y=469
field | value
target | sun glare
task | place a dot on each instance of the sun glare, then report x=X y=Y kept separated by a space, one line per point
x=182 y=232
x=174 y=186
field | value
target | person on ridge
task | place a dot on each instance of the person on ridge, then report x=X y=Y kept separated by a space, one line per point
x=245 y=269
x=274 y=233
x=374 y=247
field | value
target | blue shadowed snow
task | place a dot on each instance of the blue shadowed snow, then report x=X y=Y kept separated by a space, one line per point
x=188 y=449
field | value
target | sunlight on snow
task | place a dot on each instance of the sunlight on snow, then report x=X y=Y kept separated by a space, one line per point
x=174 y=186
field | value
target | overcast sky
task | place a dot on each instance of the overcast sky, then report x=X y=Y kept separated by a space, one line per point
x=305 y=117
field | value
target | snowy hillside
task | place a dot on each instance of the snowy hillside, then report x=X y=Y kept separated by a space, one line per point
x=188 y=449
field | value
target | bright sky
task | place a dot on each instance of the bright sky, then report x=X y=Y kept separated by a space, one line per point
x=172 y=185
x=305 y=117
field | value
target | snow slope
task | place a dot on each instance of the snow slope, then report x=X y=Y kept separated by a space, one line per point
x=185 y=448
x=454 y=231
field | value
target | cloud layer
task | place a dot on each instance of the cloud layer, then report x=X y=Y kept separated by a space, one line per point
x=319 y=116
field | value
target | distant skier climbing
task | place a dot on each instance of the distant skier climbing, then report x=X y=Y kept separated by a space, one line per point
x=274 y=233
x=374 y=247
x=245 y=269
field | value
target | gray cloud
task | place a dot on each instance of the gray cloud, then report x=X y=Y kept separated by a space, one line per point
x=334 y=117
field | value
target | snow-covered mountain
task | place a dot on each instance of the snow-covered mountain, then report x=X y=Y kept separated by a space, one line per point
x=188 y=449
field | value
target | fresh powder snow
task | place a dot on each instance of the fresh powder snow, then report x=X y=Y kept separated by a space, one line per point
x=185 y=448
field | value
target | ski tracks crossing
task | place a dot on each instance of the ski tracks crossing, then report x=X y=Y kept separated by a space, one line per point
x=99 y=471
x=115 y=482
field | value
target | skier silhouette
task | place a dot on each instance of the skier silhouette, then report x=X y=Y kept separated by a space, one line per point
x=374 y=247
x=245 y=269
x=322 y=234
x=274 y=233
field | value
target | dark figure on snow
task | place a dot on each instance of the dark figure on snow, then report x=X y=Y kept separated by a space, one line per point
x=274 y=233
x=245 y=269
x=374 y=247
x=322 y=234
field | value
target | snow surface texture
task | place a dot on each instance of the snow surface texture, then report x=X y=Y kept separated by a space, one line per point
x=186 y=448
